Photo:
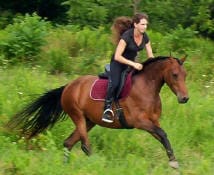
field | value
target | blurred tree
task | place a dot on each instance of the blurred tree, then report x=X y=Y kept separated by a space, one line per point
x=203 y=21
x=53 y=10
x=86 y=12
x=98 y=12
x=50 y=9
x=135 y=4
x=165 y=15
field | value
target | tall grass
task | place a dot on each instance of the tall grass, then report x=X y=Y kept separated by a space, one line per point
x=189 y=128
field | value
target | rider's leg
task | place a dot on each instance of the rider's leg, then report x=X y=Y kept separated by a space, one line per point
x=114 y=81
x=108 y=113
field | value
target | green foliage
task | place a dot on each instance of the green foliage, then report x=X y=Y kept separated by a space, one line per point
x=86 y=12
x=204 y=21
x=180 y=40
x=164 y=15
x=96 y=13
x=76 y=51
x=23 y=86
x=63 y=38
x=57 y=61
x=92 y=41
x=24 y=38
x=5 y=17
x=52 y=10
x=167 y=15
x=96 y=50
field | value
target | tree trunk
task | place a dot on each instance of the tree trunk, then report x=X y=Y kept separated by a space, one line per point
x=135 y=4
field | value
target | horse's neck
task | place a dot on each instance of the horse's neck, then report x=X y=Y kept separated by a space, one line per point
x=152 y=76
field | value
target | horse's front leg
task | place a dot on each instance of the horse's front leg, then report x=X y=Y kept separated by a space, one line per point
x=161 y=136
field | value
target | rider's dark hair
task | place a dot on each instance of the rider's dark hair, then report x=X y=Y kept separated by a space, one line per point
x=123 y=23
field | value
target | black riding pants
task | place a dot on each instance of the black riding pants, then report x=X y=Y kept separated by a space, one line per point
x=116 y=70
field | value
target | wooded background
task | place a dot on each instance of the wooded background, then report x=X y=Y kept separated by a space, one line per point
x=165 y=15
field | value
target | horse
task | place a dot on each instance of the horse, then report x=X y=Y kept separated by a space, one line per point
x=141 y=108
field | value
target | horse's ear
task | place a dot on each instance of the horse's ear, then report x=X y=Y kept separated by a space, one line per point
x=183 y=59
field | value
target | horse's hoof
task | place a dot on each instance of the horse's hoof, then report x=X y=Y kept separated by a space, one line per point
x=86 y=150
x=174 y=164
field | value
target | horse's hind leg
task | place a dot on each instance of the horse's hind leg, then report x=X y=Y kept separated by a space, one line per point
x=76 y=136
x=72 y=139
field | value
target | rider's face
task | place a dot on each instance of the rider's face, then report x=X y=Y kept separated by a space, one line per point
x=141 y=26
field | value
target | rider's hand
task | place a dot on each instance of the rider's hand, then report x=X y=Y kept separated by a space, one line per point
x=138 y=66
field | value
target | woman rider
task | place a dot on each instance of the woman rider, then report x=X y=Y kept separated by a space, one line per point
x=130 y=38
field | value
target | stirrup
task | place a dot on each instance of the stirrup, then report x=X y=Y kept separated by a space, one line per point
x=107 y=117
x=109 y=110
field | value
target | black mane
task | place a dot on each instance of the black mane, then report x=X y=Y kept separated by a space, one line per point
x=151 y=60
x=155 y=59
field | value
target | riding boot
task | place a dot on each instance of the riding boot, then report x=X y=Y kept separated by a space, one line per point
x=108 y=114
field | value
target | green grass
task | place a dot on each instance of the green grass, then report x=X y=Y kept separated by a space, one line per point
x=133 y=152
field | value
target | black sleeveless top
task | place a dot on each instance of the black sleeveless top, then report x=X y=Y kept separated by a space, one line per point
x=132 y=48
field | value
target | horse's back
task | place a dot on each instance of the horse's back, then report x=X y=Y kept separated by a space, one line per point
x=77 y=92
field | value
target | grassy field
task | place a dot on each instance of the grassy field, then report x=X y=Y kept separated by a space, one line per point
x=133 y=152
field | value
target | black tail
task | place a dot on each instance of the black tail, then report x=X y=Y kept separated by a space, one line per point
x=44 y=112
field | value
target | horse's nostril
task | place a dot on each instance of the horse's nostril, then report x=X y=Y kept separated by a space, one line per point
x=185 y=99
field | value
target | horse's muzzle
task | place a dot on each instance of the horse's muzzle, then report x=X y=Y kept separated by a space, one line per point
x=183 y=99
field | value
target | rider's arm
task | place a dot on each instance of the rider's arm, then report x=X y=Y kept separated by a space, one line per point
x=149 y=50
x=118 y=56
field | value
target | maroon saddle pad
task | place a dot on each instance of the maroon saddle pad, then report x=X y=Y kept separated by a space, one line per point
x=99 y=88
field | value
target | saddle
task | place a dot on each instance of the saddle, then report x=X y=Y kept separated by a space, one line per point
x=99 y=87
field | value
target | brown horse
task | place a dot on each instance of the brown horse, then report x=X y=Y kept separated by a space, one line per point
x=142 y=107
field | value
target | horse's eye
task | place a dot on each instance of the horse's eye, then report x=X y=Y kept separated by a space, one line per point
x=175 y=76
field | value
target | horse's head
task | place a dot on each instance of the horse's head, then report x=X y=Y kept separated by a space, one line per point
x=174 y=76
